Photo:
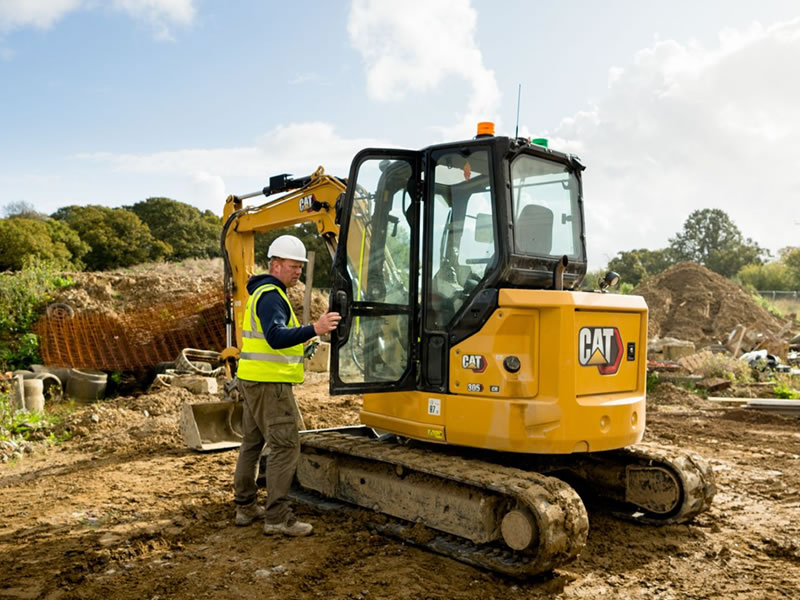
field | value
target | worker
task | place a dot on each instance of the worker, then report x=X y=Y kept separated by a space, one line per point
x=270 y=362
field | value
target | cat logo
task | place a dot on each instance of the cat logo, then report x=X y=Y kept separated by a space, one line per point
x=307 y=203
x=600 y=347
x=474 y=362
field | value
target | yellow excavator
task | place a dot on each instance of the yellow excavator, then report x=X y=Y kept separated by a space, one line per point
x=496 y=397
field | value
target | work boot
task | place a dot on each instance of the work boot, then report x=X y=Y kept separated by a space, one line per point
x=291 y=527
x=247 y=513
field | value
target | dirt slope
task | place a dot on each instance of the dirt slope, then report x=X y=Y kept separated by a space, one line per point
x=124 y=511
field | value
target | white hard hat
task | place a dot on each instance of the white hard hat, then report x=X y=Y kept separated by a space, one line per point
x=287 y=246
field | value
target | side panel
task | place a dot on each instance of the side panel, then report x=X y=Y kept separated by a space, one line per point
x=552 y=404
x=607 y=351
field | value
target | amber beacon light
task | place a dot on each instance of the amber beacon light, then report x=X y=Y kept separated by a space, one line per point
x=485 y=128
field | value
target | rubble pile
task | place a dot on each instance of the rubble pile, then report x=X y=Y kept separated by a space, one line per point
x=690 y=302
x=706 y=331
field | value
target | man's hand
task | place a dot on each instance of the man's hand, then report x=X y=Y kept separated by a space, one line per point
x=327 y=323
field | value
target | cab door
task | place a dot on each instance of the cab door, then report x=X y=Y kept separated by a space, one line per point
x=375 y=277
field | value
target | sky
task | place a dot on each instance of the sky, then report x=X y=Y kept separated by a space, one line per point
x=673 y=106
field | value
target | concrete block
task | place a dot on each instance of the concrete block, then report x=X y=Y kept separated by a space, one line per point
x=196 y=384
x=674 y=351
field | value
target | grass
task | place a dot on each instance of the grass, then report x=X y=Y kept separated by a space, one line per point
x=786 y=387
x=23 y=425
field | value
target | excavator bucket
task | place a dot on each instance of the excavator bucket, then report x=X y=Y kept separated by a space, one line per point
x=208 y=426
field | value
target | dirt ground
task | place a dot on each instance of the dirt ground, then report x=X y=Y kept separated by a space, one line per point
x=123 y=510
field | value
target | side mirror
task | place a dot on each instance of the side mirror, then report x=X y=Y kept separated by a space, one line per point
x=609 y=281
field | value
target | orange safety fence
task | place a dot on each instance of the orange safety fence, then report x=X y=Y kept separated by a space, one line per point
x=134 y=339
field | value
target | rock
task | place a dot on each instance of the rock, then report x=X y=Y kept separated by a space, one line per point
x=196 y=384
x=109 y=539
x=95 y=418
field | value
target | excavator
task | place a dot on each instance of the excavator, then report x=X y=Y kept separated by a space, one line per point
x=496 y=396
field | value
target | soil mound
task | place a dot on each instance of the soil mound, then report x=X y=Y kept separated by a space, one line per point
x=159 y=284
x=690 y=302
x=143 y=286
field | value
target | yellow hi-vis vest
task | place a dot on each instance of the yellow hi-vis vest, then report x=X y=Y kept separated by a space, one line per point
x=258 y=361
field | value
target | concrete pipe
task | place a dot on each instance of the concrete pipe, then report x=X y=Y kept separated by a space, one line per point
x=34 y=397
x=86 y=385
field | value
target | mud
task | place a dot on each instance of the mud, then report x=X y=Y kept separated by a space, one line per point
x=690 y=302
x=123 y=510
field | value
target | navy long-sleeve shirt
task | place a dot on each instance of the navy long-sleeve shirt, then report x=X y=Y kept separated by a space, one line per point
x=274 y=315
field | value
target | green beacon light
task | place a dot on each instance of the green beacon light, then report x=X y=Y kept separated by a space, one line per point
x=539 y=142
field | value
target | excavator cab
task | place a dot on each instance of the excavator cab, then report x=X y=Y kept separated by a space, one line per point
x=427 y=240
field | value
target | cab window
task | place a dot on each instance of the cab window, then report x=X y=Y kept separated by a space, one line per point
x=546 y=216
x=461 y=231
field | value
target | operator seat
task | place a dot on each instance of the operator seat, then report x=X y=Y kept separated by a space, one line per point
x=533 y=231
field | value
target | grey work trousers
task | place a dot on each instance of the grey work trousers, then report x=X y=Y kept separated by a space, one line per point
x=270 y=415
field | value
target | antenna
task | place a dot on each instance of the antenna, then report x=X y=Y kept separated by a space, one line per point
x=519 y=94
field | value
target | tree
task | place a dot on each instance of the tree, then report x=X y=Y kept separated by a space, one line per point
x=307 y=232
x=63 y=234
x=790 y=256
x=710 y=238
x=50 y=241
x=188 y=232
x=20 y=209
x=772 y=276
x=635 y=266
x=116 y=237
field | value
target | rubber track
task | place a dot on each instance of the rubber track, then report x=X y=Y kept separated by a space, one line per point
x=695 y=476
x=561 y=517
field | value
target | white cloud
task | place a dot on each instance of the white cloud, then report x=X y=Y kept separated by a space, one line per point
x=43 y=14
x=687 y=127
x=159 y=13
x=414 y=49
x=297 y=148
x=205 y=191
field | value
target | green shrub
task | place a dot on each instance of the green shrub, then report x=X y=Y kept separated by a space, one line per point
x=23 y=297
x=785 y=387
x=652 y=381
